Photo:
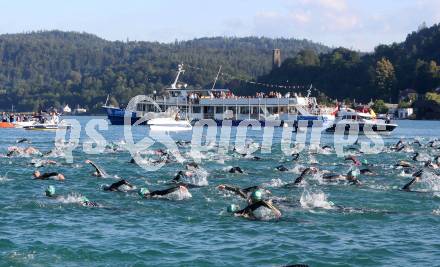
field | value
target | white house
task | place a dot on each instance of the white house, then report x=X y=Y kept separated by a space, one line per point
x=404 y=113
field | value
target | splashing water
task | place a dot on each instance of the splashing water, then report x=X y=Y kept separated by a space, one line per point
x=179 y=195
x=199 y=177
x=264 y=214
x=70 y=198
x=316 y=199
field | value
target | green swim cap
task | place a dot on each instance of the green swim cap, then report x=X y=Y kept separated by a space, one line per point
x=232 y=208
x=142 y=191
x=50 y=190
x=257 y=195
x=84 y=199
x=364 y=161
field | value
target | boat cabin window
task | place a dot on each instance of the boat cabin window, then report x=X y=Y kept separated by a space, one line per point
x=233 y=109
x=219 y=110
x=244 y=110
x=175 y=93
x=196 y=109
x=254 y=110
x=208 y=109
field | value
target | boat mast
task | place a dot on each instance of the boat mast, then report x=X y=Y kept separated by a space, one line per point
x=216 y=77
x=180 y=70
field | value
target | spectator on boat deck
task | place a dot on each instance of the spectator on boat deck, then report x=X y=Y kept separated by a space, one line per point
x=12 y=118
x=4 y=117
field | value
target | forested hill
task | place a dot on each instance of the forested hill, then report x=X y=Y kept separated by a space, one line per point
x=53 y=68
x=343 y=73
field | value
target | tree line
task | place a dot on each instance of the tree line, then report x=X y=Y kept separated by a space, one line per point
x=46 y=69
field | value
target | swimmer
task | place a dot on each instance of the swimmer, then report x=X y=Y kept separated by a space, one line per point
x=416 y=157
x=180 y=176
x=23 y=140
x=50 y=192
x=351 y=177
x=417 y=176
x=367 y=171
x=307 y=171
x=116 y=186
x=84 y=201
x=144 y=192
x=281 y=168
x=98 y=171
x=242 y=192
x=417 y=142
x=404 y=164
x=257 y=202
x=29 y=151
x=295 y=156
x=355 y=161
x=40 y=163
x=47 y=176
x=235 y=170
x=398 y=145
x=431 y=165
x=192 y=166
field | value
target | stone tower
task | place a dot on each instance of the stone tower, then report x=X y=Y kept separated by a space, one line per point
x=276 y=58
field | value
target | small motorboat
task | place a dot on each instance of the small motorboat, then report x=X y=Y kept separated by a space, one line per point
x=22 y=124
x=169 y=125
x=6 y=125
x=47 y=126
x=365 y=121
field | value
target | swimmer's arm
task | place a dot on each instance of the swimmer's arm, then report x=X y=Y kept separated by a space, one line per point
x=408 y=185
x=96 y=167
x=237 y=190
x=269 y=205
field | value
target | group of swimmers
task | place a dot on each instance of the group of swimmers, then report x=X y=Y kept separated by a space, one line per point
x=256 y=197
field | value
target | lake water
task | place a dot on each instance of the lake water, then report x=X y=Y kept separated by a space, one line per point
x=323 y=224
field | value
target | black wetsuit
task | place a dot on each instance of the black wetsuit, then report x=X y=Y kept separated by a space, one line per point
x=295 y=156
x=335 y=177
x=281 y=168
x=162 y=192
x=235 y=170
x=22 y=140
x=409 y=184
x=99 y=172
x=115 y=186
x=239 y=191
x=46 y=176
x=416 y=175
x=300 y=178
x=252 y=207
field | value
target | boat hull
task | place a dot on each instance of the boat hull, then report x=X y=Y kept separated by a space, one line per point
x=378 y=128
x=116 y=117
x=6 y=125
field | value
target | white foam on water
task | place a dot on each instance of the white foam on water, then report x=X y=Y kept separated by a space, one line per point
x=179 y=195
x=315 y=199
x=264 y=214
x=430 y=182
x=4 y=178
x=436 y=212
x=277 y=182
x=70 y=198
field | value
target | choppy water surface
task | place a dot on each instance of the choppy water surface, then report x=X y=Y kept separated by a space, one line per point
x=322 y=224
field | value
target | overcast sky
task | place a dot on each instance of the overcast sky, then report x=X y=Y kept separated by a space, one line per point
x=356 y=24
